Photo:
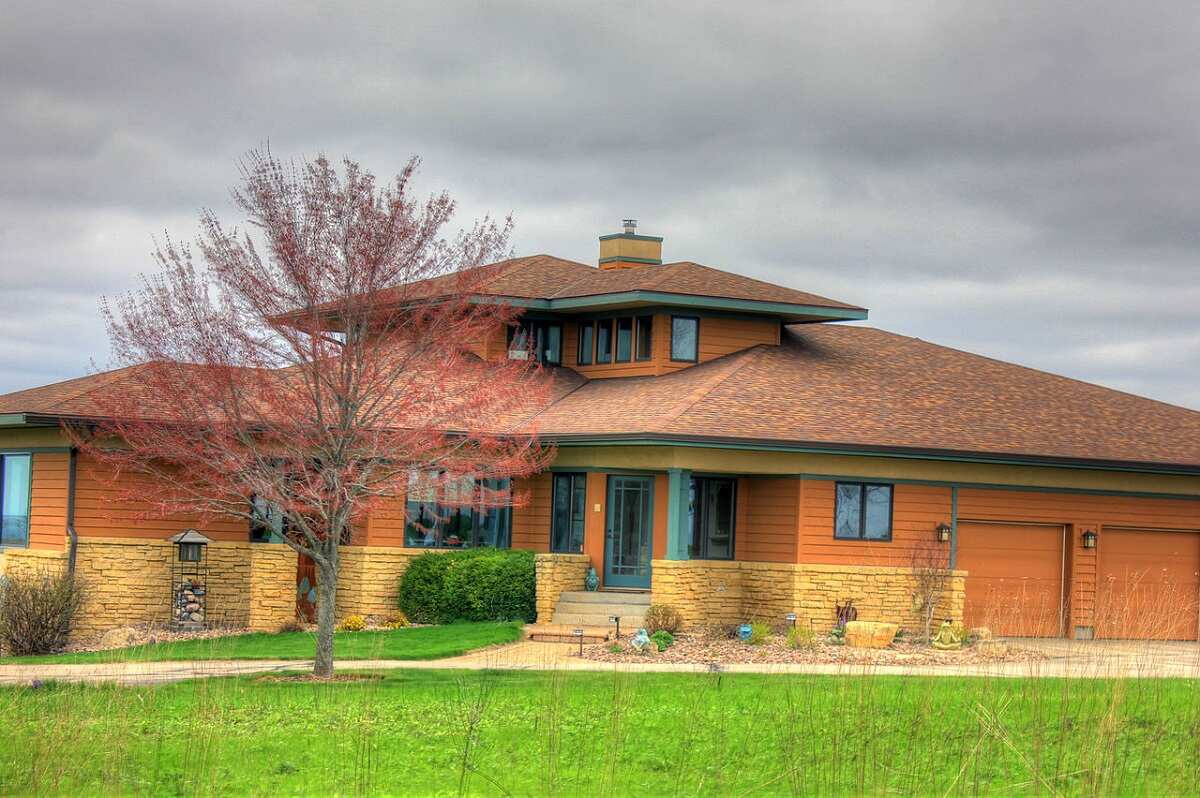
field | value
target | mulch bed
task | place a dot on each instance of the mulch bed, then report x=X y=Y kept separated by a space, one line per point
x=711 y=649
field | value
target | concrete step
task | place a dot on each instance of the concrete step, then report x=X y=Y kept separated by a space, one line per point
x=641 y=599
x=578 y=619
x=565 y=633
x=590 y=608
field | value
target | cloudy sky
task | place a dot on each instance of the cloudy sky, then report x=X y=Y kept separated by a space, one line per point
x=1022 y=183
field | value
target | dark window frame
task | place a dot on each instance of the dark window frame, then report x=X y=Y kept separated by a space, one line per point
x=671 y=342
x=591 y=344
x=862 y=510
x=537 y=331
x=573 y=477
x=638 y=321
x=698 y=547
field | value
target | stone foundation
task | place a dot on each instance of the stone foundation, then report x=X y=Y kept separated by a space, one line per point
x=712 y=593
x=557 y=573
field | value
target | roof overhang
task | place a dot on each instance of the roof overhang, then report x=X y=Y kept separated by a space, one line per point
x=789 y=312
x=27 y=420
x=812 y=447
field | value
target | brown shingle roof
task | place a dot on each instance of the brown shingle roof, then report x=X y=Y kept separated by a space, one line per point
x=837 y=385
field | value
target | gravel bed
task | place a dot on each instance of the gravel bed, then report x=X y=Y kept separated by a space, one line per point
x=706 y=649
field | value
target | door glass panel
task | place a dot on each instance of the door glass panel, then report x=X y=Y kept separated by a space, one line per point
x=628 y=551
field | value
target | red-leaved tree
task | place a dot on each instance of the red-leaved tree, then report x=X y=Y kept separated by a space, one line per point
x=314 y=362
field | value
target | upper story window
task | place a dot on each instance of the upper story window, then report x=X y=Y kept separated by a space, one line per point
x=15 y=471
x=685 y=338
x=541 y=340
x=616 y=340
x=448 y=515
x=862 y=511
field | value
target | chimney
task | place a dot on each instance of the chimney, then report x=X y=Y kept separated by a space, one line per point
x=628 y=250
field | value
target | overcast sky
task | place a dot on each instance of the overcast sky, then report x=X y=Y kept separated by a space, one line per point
x=1023 y=184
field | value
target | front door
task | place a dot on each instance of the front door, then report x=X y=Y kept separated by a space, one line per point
x=629 y=531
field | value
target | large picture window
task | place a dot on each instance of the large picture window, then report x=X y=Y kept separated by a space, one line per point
x=685 y=338
x=712 y=511
x=446 y=514
x=540 y=340
x=15 y=470
x=569 y=503
x=862 y=511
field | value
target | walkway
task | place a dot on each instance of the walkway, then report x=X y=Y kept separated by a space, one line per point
x=1066 y=658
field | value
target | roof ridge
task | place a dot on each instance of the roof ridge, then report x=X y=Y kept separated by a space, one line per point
x=737 y=361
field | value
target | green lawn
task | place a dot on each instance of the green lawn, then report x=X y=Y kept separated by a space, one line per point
x=423 y=642
x=552 y=733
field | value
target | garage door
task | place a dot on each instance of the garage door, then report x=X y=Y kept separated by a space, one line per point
x=1147 y=584
x=1014 y=577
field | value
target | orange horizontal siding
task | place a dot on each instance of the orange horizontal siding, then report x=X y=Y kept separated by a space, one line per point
x=49 y=477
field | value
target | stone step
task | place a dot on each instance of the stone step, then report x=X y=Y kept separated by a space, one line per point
x=564 y=633
x=579 y=619
x=593 y=608
x=638 y=598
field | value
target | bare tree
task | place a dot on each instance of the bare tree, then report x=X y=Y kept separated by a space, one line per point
x=931 y=574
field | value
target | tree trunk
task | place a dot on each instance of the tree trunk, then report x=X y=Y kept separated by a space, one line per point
x=326 y=619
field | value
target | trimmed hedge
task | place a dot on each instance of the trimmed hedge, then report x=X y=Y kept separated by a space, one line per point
x=469 y=585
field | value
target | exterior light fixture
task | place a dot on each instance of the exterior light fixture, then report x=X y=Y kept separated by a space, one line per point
x=791 y=617
x=579 y=633
x=1089 y=539
x=617 y=620
x=943 y=532
x=189 y=580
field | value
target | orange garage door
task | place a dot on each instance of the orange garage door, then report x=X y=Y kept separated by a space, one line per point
x=1014 y=577
x=1147 y=584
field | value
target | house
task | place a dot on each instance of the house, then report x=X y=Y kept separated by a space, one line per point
x=734 y=448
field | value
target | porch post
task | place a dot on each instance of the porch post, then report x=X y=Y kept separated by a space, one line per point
x=678 y=485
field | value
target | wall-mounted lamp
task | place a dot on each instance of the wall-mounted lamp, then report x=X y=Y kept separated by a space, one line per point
x=943 y=532
x=1089 y=538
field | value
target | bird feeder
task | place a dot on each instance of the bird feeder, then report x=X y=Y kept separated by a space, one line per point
x=189 y=581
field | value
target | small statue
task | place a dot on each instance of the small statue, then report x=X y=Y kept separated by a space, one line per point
x=946 y=638
x=640 y=641
x=591 y=582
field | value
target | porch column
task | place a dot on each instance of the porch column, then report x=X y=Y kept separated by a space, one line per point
x=679 y=482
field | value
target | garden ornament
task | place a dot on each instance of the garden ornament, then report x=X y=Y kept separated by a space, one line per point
x=640 y=641
x=744 y=632
x=592 y=581
x=946 y=638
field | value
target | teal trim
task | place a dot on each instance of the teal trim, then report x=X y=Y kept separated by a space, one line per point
x=613 y=537
x=708 y=302
x=953 y=527
x=12 y=419
x=678 y=486
x=35 y=450
x=893 y=455
x=629 y=259
x=631 y=237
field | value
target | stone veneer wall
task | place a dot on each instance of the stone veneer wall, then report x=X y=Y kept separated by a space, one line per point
x=128 y=582
x=721 y=592
x=557 y=573
x=369 y=579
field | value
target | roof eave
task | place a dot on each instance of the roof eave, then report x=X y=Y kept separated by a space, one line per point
x=922 y=453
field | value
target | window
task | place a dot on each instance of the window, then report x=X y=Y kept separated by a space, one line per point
x=604 y=345
x=624 y=340
x=569 y=502
x=455 y=513
x=685 y=338
x=587 y=343
x=267 y=523
x=711 y=509
x=862 y=512
x=645 y=326
x=14 y=499
x=541 y=339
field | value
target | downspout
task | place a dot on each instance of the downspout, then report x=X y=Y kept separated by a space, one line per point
x=72 y=536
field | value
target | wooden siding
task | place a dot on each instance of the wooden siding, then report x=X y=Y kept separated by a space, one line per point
x=48 y=500
x=916 y=512
x=385 y=524
x=531 y=522
x=767 y=519
x=101 y=510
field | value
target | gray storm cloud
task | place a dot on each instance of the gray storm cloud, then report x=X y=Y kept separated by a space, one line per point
x=1015 y=181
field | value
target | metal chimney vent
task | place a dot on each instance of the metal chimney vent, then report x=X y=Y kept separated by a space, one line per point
x=630 y=225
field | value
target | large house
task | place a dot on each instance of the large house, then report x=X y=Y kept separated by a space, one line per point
x=734 y=448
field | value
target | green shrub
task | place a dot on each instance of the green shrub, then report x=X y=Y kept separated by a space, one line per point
x=469 y=585
x=801 y=637
x=759 y=632
x=36 y=612
x=663 y=639
x=662 y=617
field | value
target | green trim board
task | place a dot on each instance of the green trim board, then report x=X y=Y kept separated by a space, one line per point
x=631 y=237
x=752 y=445
x=639 y=297
x=631 y=259
x=678 y=486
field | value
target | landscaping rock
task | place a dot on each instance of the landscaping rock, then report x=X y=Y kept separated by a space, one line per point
x=121 y=637
x=870 y=634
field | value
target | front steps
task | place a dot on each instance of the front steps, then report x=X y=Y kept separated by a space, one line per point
x=582 y=608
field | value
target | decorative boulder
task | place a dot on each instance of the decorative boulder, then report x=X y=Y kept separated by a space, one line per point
x=121 y=637
x=870 y=634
